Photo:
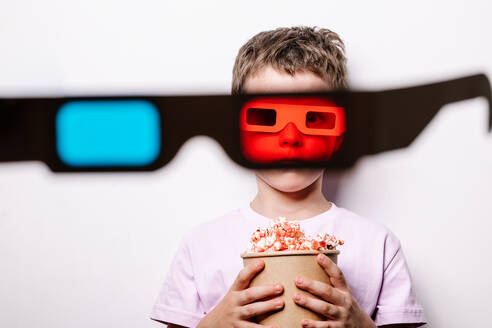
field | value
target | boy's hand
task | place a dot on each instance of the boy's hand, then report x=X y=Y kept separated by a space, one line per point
x=337 y=302
x=239 y=305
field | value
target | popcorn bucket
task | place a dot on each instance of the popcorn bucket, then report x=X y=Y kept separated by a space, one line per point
x=284 y=267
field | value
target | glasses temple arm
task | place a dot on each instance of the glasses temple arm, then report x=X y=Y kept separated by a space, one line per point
x=400 y=115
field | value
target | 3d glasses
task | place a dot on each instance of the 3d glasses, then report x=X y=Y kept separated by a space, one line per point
x=312 y=116
x=142 y=133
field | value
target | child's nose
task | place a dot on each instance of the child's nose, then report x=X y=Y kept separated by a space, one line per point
x=290 y=136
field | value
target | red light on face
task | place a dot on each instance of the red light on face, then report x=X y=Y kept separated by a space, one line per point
x=288 y=129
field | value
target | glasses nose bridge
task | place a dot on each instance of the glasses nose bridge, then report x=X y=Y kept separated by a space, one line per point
x=218 y=114
x=291 y=115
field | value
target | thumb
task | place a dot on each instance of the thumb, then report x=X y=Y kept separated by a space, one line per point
x=246 y=274
x=333 y=271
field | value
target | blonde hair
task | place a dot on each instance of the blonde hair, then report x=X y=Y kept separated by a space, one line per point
x=292 y=50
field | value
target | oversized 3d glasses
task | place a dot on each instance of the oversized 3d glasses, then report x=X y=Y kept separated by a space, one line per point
x=142 y=133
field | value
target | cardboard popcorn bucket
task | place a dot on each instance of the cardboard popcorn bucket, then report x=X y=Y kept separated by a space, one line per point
x=284 y=267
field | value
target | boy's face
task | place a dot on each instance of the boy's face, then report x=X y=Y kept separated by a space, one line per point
x=269 y=80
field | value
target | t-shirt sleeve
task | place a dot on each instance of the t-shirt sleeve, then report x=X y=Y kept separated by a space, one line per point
x=397 y=301
x=178 y=301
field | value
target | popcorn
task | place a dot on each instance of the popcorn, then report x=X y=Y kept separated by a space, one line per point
x=283 y=235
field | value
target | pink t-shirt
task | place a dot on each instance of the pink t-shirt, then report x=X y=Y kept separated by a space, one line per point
x=207 y=262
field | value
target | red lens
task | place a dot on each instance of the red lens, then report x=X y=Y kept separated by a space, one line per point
x=291 y=130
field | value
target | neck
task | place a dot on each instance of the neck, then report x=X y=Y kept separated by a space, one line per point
x=298 y=205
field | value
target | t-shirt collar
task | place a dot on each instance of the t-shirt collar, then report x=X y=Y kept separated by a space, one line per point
x=250 y=213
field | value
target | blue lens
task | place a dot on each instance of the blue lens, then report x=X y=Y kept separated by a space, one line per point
x=108 y=133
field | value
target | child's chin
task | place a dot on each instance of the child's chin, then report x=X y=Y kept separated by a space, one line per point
x=290 y=180
x=290 y=189
x=293 y=185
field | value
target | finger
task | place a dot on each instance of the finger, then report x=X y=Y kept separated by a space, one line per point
x=258 y=292
x=319 y=324
x=246 y=274
x=324 y=308
x=318 y=288
x=256 y=308
x=333 y=271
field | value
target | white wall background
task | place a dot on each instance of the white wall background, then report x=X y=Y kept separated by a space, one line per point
x=91 y=250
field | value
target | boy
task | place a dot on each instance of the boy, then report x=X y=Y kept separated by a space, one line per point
x=207 y=285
